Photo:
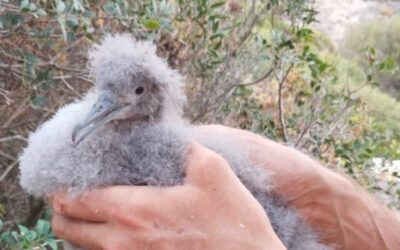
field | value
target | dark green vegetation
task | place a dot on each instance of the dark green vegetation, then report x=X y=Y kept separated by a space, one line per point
x=257 y=66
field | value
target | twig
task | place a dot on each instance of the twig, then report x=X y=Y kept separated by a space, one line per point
x=20 y=109
x=280 y=102
x=229 y=90
x=305 y=131
x=4 y=93
x=13 y=137
x=315 y=114
x=70 y=87
x=8 y=156
x=8 y=170
x=65 y=49
x=351 y=92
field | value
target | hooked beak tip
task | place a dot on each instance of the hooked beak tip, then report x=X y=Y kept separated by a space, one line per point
x=103 y=111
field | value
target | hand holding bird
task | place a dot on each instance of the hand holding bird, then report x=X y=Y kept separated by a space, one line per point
x=212 y=210
x=314 y=201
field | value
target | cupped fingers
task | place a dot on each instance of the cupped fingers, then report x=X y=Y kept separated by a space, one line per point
x=84 y=207
x=85 y=234
x=109 y=204
x=102 y=236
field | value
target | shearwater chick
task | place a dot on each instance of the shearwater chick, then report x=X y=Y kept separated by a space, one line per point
x=129 y=130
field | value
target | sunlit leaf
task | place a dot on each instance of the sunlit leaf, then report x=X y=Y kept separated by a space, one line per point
x=217 y=4
x=41 y=12
x=389 y=65
x=24 y=6
x=52 y=244
x=23 y=230
x=43 y=227
x=151 y=24
x=60 y=7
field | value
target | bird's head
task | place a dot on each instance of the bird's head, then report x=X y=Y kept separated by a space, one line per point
x=132 y=83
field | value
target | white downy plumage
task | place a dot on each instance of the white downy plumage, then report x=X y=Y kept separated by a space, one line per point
x=129 y=130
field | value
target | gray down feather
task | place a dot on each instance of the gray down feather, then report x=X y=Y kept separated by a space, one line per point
x=129 y=130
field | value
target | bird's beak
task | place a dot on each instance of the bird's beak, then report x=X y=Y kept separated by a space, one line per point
x=103 y=111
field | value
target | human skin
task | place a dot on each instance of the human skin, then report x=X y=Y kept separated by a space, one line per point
x=346 y=215
x=211 y=210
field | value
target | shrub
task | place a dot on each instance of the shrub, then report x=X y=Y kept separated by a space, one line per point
x=40 y=237
x=381 y=34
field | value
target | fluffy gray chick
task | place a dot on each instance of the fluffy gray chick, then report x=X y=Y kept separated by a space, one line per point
x=129 y=131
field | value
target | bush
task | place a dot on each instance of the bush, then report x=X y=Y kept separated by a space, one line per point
x=381 y=34
x=380 y=105
x=40 y=237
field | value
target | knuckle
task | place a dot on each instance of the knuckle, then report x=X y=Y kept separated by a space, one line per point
x=214 y=159
x=209 y=157
x=63 y=206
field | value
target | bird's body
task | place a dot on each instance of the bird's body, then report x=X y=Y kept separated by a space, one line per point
x=141 y=144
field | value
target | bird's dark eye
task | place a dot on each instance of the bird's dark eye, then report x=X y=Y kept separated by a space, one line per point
x=139 y=90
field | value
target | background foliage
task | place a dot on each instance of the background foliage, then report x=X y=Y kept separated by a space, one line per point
x=380 y=34
x=250 y=64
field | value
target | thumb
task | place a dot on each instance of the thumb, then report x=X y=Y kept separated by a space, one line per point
x=207 y=168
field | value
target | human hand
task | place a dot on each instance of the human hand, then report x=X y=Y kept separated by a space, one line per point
x=345 y=215
x=212 y=210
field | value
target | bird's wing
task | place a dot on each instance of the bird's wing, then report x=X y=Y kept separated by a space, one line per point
x=40 y=160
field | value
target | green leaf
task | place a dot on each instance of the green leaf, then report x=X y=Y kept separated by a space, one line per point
x=215 y=36
x=151 y=24
x=215 y=26
x=72 y=22
x=217 y=4
x=39 y=101
x=15 y=235
x=31 y=58
x=24 y=6
x=1 y=225
x=89 y=36
x=335 y=80
x=7 y=238
x=78 y=5
x=10 y=19
x=322 y=66
x=109 y=8
x=60 y=7
x=52 y=244
x=369 y=78
x=32 y=7
x=43 y=227
x=41 y=12
x=371 y=51
x=31 y=236
x=389 y=65
x=23 y=230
